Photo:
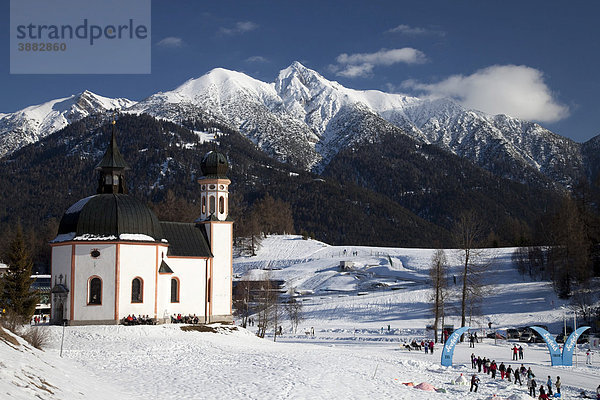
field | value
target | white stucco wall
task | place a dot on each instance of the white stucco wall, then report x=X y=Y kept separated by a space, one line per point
x=191 y=273
x=221 y=243
x=137 y=261
x=61 y=265
x=85 y=268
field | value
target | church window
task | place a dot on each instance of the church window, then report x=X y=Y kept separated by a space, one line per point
x=174 y=290
x=203 y=205
x=212 y=204
x=137 y=287
x=221 y=205
x=95 y=291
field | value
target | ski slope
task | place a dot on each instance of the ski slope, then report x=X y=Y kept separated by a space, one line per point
x=352 y=354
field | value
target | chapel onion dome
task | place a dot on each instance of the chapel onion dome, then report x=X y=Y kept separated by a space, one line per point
x=109 y=217
x=214 y=165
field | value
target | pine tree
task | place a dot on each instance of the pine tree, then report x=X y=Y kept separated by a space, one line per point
x=17 y=297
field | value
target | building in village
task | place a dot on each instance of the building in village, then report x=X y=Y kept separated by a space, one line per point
x=112 y=257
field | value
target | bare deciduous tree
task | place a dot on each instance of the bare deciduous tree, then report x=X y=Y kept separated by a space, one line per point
x=241 y=301
x=293 y=309
x=269 y=310
x=439 y=282
x=468 y=233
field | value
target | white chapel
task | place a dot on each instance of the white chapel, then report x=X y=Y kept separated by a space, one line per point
x=112 y=257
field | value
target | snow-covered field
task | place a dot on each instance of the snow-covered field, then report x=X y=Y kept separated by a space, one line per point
x=349 y=357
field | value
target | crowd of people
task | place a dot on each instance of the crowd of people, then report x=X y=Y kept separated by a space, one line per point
x=184 y=319
x=37 y=319
x=139 y=320
x=517 y=375
x=426 y=345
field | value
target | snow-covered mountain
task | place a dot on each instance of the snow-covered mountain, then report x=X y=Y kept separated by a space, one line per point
x=304 y=119
x=36 y=122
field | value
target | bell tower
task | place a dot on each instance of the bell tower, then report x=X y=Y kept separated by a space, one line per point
x=214 y=188
x=214 y=215
x=112 y=169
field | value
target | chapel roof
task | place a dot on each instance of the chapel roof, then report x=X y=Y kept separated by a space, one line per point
x=110 y=217
x=214 y=165
x=186 y=239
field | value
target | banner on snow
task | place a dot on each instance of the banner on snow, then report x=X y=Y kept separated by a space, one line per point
x=570 y=343
x=448 y=351
x=553 y=347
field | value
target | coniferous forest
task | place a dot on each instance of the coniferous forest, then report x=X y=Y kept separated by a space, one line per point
x=391 y=193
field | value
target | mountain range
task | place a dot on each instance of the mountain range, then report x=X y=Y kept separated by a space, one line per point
x=306 y=120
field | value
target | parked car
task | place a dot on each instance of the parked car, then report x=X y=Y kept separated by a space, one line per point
x=525 y=337
x=584 y=338
x=495 y=335
x=512 y=333
x=536 y=338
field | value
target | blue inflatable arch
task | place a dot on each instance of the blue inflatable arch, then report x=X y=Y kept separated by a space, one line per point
x=448 y=351
x=570 y=343
x=556 y=357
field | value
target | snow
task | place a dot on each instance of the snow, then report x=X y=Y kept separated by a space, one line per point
x=77 y=207
x=64 y=237
x=314 y=113
x=352 y=354
x=136 y=237
x=36 y=122
x=303 y=118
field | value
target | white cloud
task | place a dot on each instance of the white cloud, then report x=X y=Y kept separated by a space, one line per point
x=257 y=59
x=238 y=28
x=414 y=31
x=170 y=41
x=515 y=90
x=362 y=64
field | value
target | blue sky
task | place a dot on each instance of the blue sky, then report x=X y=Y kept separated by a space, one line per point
x=537 y=60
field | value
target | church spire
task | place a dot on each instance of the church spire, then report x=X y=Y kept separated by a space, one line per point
x=112 y=168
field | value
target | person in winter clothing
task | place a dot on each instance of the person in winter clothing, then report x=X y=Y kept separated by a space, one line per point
x=426 y=347
x=493 y=369
x=588 y=357
x=549 y=384
x=502 y=369
x=520 y=352
x=523 y=370
x=471 y=340
x=515 y=352
x=474 y=383
x=509 y=372
x=473 y=361
x=557 y=384
x=531 y=384
x=479 y=364
x=488 y=365
x=431 y=346
x=530 y=373
x=543 y=395
x=518 y=377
